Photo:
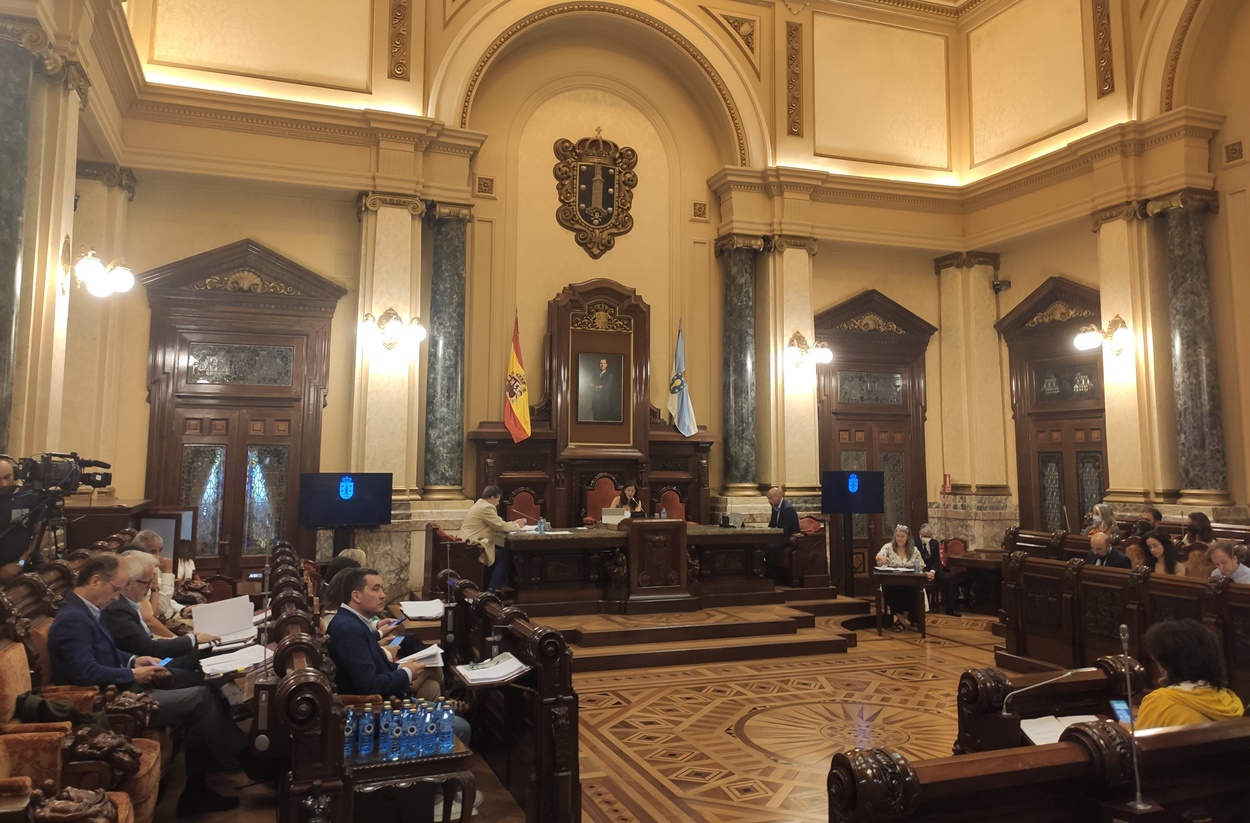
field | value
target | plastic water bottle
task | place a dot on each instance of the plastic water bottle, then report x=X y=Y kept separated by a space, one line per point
x=365 y=728
x=429 y=730
x=412 y=731
x=663 y=513
x=542 y=525
x=385 y=741
x=446 y=728
x=397 y=730
x=349 y=738
x=915 y=562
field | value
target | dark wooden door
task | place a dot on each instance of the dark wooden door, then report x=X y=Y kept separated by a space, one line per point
x=1068 y=463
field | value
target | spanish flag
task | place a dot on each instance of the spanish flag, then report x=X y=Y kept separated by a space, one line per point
x=516 y=407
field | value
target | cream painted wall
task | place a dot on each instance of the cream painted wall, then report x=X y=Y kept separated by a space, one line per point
x=841 y=271
x=175 y=217
x=522 y=257
x=1218 y=82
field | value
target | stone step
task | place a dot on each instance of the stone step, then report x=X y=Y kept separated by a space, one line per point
x=803 y=643
x=589 y=631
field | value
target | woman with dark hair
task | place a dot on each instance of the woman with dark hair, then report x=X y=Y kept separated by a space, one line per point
x=1193 y=682
x=1197 y=529
x=628 y=498
x=1163 y=550
x=332 y=596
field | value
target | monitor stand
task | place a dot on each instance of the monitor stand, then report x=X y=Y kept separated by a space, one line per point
x=343 y=537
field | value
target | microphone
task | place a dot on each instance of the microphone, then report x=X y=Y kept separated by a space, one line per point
x=1063 y=676
x=523 y=514
x=86 y=464
x=1138 y=803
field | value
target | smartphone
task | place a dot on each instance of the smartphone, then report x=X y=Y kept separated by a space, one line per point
x=165 y=662
x=1122 y=713
x=395 y=641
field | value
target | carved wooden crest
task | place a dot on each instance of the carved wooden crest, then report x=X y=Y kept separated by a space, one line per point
x=595 y=182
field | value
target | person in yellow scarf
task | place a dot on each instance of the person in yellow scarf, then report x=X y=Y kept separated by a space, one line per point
x=1194 y=683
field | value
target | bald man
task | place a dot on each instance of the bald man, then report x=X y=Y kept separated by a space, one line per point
x=1102 y=554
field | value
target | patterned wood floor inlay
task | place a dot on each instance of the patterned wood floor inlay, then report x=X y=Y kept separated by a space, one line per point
x=751 y=742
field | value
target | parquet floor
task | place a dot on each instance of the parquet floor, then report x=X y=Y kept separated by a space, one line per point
x=751 y=742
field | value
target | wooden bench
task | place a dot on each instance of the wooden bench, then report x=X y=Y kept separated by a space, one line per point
x=526 y=731
x=1187 y=773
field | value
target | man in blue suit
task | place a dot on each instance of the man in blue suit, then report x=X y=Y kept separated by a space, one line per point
x=362 y=666
x=1101 y=553
x=83 y=654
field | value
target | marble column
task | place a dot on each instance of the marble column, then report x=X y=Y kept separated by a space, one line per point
x=739 y=253
x=16 y=70
x=444 y=383
x=1195 y=367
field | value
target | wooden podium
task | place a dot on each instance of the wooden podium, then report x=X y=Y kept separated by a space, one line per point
x=659 y=580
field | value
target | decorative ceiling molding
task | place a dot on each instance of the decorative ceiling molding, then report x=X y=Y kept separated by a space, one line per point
x=1174 y=55
x=794 y=79
x=872 y=312
x=400 y=46
x=1054 y=308
x=743 y=29
x=375 y=201
x=1104 y=65
x=731 y=108
x=936 y=9
x=108 y=174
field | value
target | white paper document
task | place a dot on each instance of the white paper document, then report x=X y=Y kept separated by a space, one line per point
x=430 y=656
x=242 y=660
x=495 y=670
x=1043 y=730
x=422 y=609
x=225 y=617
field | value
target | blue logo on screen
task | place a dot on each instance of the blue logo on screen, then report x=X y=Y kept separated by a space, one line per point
x=852 y=483
x=347 y=487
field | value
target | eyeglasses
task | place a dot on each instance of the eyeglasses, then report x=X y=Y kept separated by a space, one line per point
x=147 y=582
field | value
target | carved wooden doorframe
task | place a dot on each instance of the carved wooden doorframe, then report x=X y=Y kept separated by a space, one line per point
x=1057 y=402
x=237 y=375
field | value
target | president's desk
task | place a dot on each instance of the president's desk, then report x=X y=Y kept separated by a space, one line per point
x=641 y=566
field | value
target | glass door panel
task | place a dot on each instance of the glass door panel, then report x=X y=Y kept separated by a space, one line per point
x=203 y=486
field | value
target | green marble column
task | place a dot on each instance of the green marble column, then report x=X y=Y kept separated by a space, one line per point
x=444 y=381
x=739 y=254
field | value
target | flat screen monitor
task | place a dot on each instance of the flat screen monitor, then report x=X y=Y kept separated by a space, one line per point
x=857 y=492
x=329 y=499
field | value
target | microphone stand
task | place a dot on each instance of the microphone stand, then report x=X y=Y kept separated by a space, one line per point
x=1007 y=699
x=1138 y=803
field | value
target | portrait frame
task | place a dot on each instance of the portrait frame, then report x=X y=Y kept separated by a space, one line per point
x=602 y=387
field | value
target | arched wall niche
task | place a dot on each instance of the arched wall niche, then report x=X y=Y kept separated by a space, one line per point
x=1176 y=54
x=1208 y=45
x=670 y=34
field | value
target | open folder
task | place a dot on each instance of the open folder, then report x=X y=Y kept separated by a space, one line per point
x=231 y=620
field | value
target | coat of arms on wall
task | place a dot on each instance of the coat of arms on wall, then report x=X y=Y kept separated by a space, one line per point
x=595 y=182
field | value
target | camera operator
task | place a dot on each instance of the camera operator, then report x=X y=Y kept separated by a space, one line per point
x=8 y=476
x=16 y=527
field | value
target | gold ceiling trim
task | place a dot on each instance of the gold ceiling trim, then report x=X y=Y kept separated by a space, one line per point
x=1174 y=56
x=245 y=281
x=630 y=14
x=1057 y=312
x=1103 y=62
x=870 y=321
x=930 y=8
x=601 y=316
x=794 y=79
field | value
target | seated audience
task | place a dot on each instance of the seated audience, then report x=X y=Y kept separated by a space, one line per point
x=1192 y=678
x=1163 y=550
x=1223 y=554
x=628 y=498
x=900 y=553
x=158 y=606
x=124 y=620
x=83 y=653
x=1148 y=520
x=1101 y=554
x=1102 y=521
x=935 y=563
x=483 y=525
x=1198 y=529
x=345 y=559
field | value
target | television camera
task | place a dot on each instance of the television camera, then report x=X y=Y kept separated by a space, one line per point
x=28 y=511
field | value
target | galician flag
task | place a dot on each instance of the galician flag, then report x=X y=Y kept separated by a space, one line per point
x=679 y=405
x=516 y=407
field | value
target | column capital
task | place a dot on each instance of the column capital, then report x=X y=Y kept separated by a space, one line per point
x=30 y=35
x=1130 y=210
x=77 y=82
x=376 y=200
x=448 y=211
x=108 y=174
x=966 y=260
x=1198 y=199
x=732 y=242
x=783 y=242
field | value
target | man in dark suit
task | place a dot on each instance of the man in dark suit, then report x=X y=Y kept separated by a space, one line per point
x=606 y=405
x=124 y=620
x=362 y=666
x=931 y=550
x=1101 y=553
x=83 y=654
x=784 y=516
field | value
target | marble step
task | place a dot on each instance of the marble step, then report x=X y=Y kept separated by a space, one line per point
x=804 y=643
x=617 y=630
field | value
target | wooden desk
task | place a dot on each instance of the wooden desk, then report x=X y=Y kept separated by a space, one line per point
x=908 y=580
x=91 y=519
x=440 y=769
x=985 y=574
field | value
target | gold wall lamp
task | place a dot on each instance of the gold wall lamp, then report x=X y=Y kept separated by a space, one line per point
x=391 y=328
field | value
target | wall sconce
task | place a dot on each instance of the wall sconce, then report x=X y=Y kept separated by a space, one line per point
x=100 y=281
x=391 y=328
x=798 y=351
x=1117 y=336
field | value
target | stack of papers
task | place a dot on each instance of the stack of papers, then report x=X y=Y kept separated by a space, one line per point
x=231 y=620
x=495 y=670
x=430 y=656
x=242 y=660
x=1043 y=730
x=422 y=609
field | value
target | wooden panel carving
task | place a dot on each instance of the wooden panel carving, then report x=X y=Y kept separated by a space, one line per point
x=1042 y=598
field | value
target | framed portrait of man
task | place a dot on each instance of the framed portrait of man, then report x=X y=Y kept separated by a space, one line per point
x=600 y=394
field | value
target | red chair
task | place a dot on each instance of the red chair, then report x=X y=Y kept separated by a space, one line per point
x=221 y=587
x=524 y=505
x=600 y=496
x=671 y=503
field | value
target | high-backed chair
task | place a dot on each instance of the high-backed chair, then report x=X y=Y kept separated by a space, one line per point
x=1136 y=551
x=1197 y=564
x=805 y=561
x=221 y=587
x=598 y=498
x=524 y=505
x=670 y=503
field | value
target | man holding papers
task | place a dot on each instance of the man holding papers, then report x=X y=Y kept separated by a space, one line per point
x=363 y=668
x=124 y=620
x=483 y=525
